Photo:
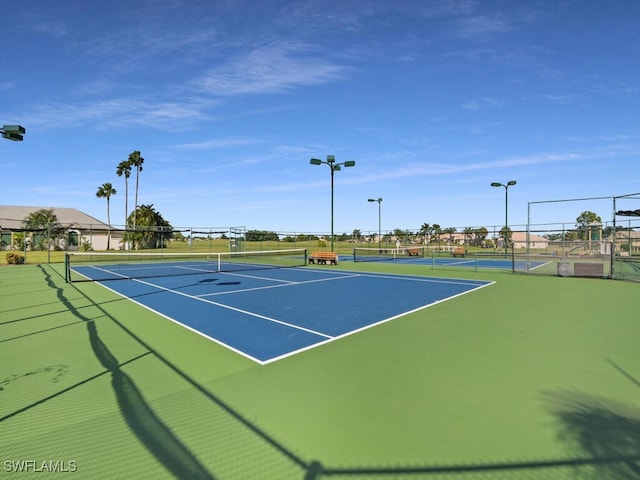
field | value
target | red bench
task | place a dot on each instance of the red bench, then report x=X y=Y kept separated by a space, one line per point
x=458 y=251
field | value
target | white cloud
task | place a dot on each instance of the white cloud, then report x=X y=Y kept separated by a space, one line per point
x=118 y=112
x=482 y=104
x=482 y=26
x=216 y=143
x=271 y=69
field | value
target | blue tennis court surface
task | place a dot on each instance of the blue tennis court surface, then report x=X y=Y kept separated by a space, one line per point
x=270 y=314
x=468 y=262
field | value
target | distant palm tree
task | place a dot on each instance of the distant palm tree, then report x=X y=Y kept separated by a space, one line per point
x=468 y=235
x=124 y=168
x=153 y=230
x=450 y=231
x=426 y=230
x=105 y=191
x=136 y=160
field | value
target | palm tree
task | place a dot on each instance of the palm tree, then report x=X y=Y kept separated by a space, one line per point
x=124 y=168
x=468 y=235
x=153 y=230
x=437 y=232
x=450 y=231
x=426 y=230
x=136 y=160
x=105 y=191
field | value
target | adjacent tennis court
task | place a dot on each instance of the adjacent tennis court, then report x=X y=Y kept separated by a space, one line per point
x=265 y=313
x=437 y=259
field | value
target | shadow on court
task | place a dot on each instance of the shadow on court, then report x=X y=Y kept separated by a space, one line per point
x=601 y=428
x=143 y=422
x=604 y=437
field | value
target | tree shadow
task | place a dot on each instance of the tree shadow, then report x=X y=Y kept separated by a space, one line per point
x=600 y=428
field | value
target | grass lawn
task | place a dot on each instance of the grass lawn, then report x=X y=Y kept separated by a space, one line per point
x=529 y=378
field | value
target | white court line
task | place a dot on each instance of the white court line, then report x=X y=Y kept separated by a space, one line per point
x=375 y=324
x=229 y=307
x=454 y=262
x=541 y=265
x=288 y=284
x=424 y=279
x=328 y=338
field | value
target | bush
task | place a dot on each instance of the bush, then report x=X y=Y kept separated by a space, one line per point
x=14 y=258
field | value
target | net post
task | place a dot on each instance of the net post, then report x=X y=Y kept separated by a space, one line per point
x=67 y=268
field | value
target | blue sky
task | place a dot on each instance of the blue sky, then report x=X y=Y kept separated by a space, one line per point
x=228 y=100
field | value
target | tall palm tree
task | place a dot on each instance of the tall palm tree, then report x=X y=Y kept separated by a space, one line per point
x=426 y=230
x=450 y=231
x=136 y=160
x=124 y=168
x=105 y=191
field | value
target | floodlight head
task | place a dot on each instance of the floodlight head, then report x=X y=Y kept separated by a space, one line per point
x=13 y=132
x=511 y=182
x=371 y=200
x=331 y=158
x=350 y=163
x=16 y=137
x=315 y=161
x=19 y=129
x=496 y=184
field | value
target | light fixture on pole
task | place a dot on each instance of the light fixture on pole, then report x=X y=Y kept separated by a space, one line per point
x=510 y=183
x=13 y=132
x=379 y=200
x=331 y=161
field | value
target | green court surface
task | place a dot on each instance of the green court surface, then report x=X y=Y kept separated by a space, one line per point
x=532 y=378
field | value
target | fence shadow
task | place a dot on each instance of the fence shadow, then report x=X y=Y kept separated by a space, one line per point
x=147 y=426
x=150 y=430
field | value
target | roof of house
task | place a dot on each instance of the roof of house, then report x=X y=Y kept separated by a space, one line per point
x=522 y=237
x=12 y=216
x=622 y=234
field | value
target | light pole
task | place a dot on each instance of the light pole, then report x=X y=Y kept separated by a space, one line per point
x=331 y=161
x=13 y=132
x=510 y=183
x=379 y=200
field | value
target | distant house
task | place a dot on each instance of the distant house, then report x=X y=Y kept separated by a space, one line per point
x=628 y=241
x=79 y=229
x=519 y=240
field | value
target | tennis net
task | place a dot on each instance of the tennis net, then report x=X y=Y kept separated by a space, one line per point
x=365 y=254
x=101 y=266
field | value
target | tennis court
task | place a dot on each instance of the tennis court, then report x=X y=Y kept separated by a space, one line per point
x=267 y=313
x=532 y=378
x=421 y=255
